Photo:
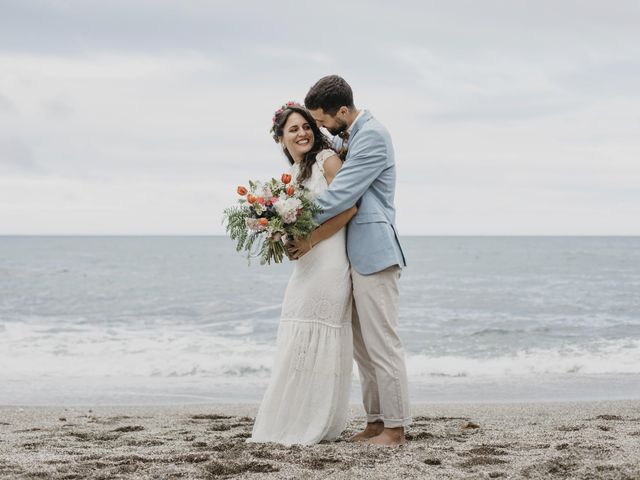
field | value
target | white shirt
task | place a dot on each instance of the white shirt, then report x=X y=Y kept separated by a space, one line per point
x=354 y=122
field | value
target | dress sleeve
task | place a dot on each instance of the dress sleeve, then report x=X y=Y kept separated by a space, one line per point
x=322 y=156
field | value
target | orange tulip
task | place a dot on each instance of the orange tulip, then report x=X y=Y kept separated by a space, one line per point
x=264 y=222
x=242 y=190
x=251 y=198
x=290 y=190
x=286 y=178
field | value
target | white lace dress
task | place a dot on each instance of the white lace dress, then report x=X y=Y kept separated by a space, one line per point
x=307 y=399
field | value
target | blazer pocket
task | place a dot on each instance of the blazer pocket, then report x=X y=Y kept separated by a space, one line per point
x=370 y=218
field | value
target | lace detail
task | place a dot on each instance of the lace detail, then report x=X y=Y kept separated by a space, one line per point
x=307 y=399
x=322 y=156
x=328 y=308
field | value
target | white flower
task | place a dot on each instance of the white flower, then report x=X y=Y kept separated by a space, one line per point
x=287 y=208
x=254 y=225
x=266 y=191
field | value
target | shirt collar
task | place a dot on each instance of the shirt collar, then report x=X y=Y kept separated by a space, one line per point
x=354 y=121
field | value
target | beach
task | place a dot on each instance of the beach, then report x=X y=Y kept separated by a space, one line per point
x=465 y=440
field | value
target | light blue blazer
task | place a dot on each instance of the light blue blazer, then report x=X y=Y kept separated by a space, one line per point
x=367 y=178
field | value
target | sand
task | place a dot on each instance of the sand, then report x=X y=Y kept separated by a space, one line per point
x=587 y=440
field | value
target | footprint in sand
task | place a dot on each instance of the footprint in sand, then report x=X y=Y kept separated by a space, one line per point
x=129 y=428
x=217 y=468
x=212 y=416
x=609 y=417
x=482 y=460
x=486 y=450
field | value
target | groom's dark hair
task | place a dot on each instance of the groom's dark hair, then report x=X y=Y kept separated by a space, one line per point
x=330 y=93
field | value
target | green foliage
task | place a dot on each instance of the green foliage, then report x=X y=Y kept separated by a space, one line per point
x=236 y=219
x=272 y=250
x=304 y=225
x=267 y=244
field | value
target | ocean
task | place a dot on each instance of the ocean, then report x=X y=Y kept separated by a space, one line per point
x=168 y=320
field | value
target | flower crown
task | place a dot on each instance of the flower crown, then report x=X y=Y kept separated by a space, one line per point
x=290 y=103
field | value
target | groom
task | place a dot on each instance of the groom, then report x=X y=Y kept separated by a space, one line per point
x=368 y=179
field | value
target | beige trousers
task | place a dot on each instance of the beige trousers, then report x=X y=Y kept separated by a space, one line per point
x=378 y=349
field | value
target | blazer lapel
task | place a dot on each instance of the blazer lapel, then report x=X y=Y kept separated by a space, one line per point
x=366 y=116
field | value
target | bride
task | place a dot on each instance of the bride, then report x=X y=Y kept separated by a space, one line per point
x=307 y=398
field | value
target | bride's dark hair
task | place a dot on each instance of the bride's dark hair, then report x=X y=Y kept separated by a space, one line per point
x=320 y=142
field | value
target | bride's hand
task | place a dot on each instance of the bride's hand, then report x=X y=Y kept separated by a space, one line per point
x=298 y=247
x=288 y=253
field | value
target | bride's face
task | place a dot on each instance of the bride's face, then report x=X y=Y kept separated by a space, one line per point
x=297 y=136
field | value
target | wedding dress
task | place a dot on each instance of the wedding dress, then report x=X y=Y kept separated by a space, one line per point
x=307 y=399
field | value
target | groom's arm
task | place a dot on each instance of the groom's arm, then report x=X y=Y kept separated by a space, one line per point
x=367 y=159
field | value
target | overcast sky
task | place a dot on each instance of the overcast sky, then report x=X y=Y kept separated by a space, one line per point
x=141 y=117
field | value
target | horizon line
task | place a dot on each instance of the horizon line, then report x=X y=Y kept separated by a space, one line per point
x=223 y=235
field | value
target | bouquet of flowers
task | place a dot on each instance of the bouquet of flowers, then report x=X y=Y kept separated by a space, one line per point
x=268 y=214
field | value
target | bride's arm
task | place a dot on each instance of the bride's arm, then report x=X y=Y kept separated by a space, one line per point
x=298 y=248
x=331 y=166
x=327 y=229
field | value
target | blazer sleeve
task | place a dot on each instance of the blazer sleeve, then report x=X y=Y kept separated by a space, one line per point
x=367 y=159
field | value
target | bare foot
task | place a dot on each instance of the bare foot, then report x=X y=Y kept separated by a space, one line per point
x=371 y=430
x=389 y=437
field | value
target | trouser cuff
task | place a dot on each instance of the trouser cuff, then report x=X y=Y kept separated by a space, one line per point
x=397 y=422
x=374 y=417
x=389 y=422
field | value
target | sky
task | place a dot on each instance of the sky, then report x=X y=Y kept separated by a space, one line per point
x=141 y=117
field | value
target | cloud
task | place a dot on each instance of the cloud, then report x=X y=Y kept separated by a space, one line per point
x=6 y=106
x=16 y=156
x=57 y=108
x=518 y=115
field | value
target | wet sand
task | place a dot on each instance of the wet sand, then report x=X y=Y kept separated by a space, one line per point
x=585 y=440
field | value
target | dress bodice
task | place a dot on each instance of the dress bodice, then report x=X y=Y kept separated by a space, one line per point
x=316 y=183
